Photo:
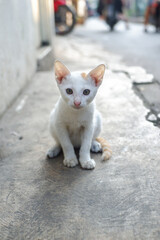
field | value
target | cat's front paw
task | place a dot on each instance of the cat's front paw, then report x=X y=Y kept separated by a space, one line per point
x=88 y=164
x=70 y=162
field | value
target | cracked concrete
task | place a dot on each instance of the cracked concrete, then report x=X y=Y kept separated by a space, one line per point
x=136 y=48
x=42 y=199
x=150 y=94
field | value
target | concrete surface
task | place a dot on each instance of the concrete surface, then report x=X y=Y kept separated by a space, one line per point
x=45 y=58
x=43 y=200
x=134 y=46
x=150 y=93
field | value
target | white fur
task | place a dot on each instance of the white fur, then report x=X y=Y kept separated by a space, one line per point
x=76 y=127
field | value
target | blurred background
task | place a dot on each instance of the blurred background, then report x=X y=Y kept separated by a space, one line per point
x=29 y=29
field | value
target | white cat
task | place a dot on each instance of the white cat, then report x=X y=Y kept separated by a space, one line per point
x=75 y=122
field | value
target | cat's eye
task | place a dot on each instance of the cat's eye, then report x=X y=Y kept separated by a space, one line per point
x=86 y=92
x=69 y=91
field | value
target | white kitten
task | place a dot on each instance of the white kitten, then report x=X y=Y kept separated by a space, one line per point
x=74 y=121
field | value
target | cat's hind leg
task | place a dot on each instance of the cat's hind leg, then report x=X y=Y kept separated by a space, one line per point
x=96 y=147
x=54 y=152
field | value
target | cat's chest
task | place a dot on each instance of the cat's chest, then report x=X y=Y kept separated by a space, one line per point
x=76 y=124
x=74 y=127
x=75 y=131
x=76 y=119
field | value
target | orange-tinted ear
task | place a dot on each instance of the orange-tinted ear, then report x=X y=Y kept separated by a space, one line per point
x=60 y=71
x=97 y=74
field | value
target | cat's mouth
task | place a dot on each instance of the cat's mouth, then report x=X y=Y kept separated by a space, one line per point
x=77 y=107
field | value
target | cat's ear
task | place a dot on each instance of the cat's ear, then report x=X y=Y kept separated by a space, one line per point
x=61 y=71
x=97 y=74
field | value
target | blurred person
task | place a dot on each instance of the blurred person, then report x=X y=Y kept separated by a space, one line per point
x=118 y=9
x=152 y=9
x=148 y=13
x=156 y=7
x=102 y=4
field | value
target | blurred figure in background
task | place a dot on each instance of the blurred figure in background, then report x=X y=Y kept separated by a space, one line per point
x=118 y=6
x=153 y=11
x=102 y=5
x=148 y=13
x=156 y=7
x=119 y=9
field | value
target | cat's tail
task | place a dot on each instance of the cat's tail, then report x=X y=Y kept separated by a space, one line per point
x=106 y=150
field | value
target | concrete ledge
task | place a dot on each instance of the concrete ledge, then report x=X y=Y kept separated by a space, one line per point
x=45 y=58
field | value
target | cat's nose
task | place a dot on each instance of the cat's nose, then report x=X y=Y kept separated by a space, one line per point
x=77 y=103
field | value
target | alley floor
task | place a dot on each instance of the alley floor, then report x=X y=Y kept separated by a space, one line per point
x=42 y=199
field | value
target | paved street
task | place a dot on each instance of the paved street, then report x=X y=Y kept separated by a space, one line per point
x=42 y=199
x=135 y=48
x=134 y=45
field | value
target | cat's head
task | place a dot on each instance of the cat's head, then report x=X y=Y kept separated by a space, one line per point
x=78 y=89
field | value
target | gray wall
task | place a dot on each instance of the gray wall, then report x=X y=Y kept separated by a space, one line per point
x=20 y=36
